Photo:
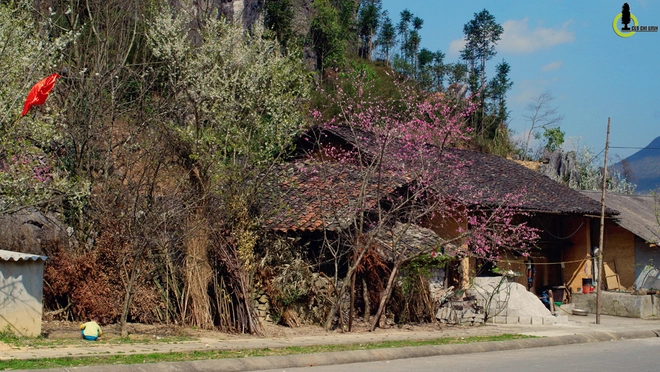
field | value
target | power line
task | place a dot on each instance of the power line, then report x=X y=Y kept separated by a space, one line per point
x=595 y=156
x=635 y=148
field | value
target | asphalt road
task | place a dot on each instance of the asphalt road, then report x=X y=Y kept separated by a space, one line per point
x=638 y=355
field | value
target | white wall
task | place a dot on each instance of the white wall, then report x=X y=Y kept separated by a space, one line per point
x=21 y=293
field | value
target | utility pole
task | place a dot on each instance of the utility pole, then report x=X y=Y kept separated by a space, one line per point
x=599 y=256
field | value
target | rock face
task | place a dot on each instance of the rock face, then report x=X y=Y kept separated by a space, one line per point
x=560 y=166
x=30 y=231
x=246 y=11
x=250 y=11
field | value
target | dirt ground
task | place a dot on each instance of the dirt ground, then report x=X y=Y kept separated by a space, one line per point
x=59 y=330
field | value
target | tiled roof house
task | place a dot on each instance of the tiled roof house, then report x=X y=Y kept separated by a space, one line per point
x=312 y=201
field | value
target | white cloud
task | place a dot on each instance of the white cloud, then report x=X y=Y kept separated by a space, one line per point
x=527 y=90
x=556 y=65
x=519 y=38
x=456 y=46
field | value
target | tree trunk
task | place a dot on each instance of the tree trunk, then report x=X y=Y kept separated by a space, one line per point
x=385 y=297
x=124 y=315
x=128 y=297
x=427 y=299
x=352 y=305
x=337 y=306
x=334 y=309
x=367 y=305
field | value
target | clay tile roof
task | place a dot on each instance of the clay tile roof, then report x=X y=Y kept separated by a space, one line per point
x=493 y=178
x=308 y=195
x=496 y=177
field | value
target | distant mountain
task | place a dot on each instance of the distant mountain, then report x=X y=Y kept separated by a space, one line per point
x=643 y=167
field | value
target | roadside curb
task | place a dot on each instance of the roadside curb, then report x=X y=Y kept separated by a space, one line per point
x=358 y=356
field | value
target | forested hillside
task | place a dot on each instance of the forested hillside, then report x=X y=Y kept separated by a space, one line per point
x=155 y=143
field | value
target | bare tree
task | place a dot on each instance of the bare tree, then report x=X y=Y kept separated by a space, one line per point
x=541 y=115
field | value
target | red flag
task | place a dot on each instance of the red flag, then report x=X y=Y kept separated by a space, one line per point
x=39 y=93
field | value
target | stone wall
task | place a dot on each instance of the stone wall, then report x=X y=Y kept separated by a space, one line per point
x=312 y=312
x=437 y=283
x=261 y=303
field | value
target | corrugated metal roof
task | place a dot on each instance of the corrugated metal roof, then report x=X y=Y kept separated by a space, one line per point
x=18 y=256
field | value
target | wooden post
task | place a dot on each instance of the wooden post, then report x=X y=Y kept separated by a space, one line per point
x=552 y=301
x=465 y=273
x=599 y=256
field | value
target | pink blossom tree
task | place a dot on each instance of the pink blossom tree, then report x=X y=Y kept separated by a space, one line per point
x=402 y=152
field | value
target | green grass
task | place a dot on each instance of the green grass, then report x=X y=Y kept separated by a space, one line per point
x=222 y=354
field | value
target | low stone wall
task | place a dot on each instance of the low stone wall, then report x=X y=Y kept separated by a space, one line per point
x=620 y=304
x=261 y=303
x=307 y=313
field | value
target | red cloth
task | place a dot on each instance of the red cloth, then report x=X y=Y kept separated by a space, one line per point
x=39 y=93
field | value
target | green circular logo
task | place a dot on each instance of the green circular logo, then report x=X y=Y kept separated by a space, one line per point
x=616 y=29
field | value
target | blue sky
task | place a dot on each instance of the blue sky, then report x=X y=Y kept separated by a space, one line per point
x=570 y=49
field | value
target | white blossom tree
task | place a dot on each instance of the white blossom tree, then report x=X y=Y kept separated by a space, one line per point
x=30 y=174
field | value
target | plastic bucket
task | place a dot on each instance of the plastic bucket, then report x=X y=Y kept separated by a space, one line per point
x=587 y=285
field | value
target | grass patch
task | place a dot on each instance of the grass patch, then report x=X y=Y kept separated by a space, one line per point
x=223 y=354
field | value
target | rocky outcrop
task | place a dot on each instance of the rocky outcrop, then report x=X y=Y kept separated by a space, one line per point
x=560 y=166
x=30 y=231
x=250 y=11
